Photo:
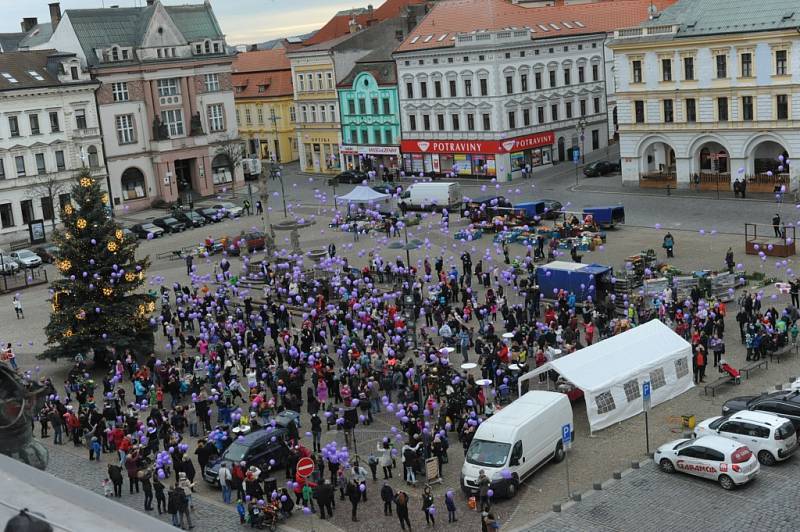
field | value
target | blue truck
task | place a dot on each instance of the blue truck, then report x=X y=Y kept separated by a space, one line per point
x=583 y=280
x=606 y=216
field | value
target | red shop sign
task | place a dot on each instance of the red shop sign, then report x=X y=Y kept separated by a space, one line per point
x=526 y=142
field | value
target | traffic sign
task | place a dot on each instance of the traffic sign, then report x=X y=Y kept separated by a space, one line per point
x=646 y=394
x=566 y=434
x=576 y=155
x=305 y=466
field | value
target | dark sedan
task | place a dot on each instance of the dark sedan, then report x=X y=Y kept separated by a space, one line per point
x=144 y=230
x=210 y=215
x=191 y=219
x=552 y=208
x=782 y=403
x=170 y=224
x=388 y=188
x=47 y=253
x=352 y=176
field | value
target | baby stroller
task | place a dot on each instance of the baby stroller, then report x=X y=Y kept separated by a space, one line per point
x=735 y=374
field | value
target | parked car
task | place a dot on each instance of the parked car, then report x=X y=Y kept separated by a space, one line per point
x=388 y=188
x=713 y=457
x=211 y=215
x=254 y=449
x=783 y=403
x=47 y=253
x=191 y=219
x=226 y=208
x=770 y=437
x=599 y=168
x=8 y=265
x=144 y=229
x=253 y=240
x=352 y=176
x=170 y=224
x=26 y=258
x=552 y=208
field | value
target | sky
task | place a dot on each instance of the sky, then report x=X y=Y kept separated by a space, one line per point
x=243 y=21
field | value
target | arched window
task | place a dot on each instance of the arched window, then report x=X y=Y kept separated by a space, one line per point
x=94 y=160
x=133 y=184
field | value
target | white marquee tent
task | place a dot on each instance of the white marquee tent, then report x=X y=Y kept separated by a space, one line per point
x=611 y=372
x=363 y=194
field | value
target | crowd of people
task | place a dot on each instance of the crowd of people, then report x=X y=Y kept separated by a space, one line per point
x=339 y=345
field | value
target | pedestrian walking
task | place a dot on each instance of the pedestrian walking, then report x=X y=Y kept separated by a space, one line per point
x=224 y=476
x=115 y=474
x=776 y=225
x=246 y=206
x=189 y=261
x=324 y=495
x=427 y=506
x=401 y=503
x=147 y=488
x=669 y=245
x=354 y=495
x=173 y=504
x=450 y=503
x=387 y=496
x=483 y=489
x=729 y=262
x=161 y=500
x=18 y=307
x=259 y=208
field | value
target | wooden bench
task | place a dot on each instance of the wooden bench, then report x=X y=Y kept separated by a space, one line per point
x=716 y=384
x=762 y=363
x=17 y=245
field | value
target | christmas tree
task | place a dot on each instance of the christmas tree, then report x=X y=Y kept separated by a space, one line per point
x=96 y=306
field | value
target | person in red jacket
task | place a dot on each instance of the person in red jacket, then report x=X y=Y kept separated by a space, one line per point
x=299 y=482
x=74 y=426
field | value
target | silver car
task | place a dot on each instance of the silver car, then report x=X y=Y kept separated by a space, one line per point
x=26 y=258
x=7 y=264
x=226 y=208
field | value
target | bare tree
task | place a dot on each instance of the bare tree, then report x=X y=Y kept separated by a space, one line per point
x=232 y=147
x=49 y=186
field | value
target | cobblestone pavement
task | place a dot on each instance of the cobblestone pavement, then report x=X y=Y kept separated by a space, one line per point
x=650 y=499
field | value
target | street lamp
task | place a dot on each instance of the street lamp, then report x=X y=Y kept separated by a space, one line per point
x=580 y=128
x=275 y=173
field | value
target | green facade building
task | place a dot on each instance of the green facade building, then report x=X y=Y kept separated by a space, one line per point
x=370 y=117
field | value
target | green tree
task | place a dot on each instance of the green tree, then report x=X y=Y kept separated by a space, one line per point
x=96 y=304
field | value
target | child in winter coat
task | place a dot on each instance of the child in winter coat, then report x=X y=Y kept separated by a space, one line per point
x=107 y=487
x=95 y=449
x=308 y=497
x=241 y=510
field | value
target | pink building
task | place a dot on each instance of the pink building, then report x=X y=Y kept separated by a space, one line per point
x=165 y=102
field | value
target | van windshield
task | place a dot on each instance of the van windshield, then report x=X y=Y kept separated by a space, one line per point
x=488 y=453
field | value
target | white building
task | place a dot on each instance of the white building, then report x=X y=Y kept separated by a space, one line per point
x=489 y=87
x=708 y=95
x=49 y=130
x=165 y=100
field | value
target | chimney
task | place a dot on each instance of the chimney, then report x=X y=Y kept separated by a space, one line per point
x=150 y=2
x=370 y=11
x=28 y=23
x=55 y=14
x=353 y=25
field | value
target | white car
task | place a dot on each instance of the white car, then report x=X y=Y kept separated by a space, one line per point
x=26 y=258
x=713 y=457
x=770 y=437
x=7 y=264
x=228 y=209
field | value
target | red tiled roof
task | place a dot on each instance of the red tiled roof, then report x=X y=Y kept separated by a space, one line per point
x=450 y=17
x=276 y=83
x=340 y=24
x=261 y=61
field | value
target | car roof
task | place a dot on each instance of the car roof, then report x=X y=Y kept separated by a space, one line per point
x=258 y=436
x=759 y=417
x=718 y=443
x=792 y=396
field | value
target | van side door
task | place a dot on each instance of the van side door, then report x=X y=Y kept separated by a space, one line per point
x=517 y=461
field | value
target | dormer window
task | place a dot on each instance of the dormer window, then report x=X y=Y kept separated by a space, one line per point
x=216 y=47
x=207 y=46
x=124 y=54
x=198 y=49
x=115 y=53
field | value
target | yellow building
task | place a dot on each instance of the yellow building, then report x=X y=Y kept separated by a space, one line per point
x=315 y=100
x=265 y=111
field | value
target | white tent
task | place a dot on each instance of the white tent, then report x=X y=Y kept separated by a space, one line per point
x=611 y=372
x=363 y=194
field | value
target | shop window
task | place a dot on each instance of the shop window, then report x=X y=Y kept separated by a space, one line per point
x=133 y=186
x=221 y=169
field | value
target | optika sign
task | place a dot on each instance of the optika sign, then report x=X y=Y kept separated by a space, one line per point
x=695 y=467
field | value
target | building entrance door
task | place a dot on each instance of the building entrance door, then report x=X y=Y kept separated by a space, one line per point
x=183 y=175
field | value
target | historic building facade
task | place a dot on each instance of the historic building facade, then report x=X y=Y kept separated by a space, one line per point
x=49 y=131
x=497 y=89
x=166 y=100
x=370 y=117
x=265 y=111
x=705 y=99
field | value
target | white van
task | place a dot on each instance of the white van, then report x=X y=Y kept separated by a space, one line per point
x=521 y=438
x=432 y=196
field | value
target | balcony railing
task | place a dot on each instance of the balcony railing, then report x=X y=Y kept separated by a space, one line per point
x=86 y=132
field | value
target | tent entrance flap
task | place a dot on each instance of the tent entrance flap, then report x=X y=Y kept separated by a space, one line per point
x=611 y=372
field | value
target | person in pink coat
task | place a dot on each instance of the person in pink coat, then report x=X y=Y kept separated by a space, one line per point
x=322 y=392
